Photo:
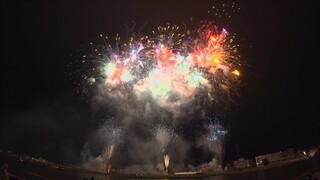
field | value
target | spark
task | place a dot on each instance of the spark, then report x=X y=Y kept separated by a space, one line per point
x=236 y=72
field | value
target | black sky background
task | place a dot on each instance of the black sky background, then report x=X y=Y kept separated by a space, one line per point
x=42 y=115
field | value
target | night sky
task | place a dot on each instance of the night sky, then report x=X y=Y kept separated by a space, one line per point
x=43 y=116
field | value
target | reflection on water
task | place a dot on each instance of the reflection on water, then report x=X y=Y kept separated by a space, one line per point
x=282 y=172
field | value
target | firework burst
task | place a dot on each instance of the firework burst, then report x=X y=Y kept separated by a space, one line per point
x=173 y=61
x=161 y=79
x=214 y=139
x=112 y=135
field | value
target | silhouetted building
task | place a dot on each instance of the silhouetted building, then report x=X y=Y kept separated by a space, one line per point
x=241 y=163
x=290 y=153
x=301 y=153
x=273 y=157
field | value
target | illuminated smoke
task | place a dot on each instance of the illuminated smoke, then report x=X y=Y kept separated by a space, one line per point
x=113 y=135
x=108 y=136
x=166 y=159
x=109 y=154
x=110 y=151
x=163 y=136
x=214 y=140
x=108 y=168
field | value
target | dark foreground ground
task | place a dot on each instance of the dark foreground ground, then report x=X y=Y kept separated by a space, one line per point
x=21 y=168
